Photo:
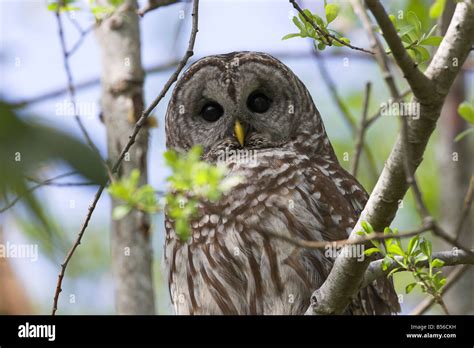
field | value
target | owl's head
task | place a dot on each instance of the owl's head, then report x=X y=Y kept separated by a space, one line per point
x=243 y=100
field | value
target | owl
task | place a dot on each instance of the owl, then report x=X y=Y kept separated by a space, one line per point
x=250 y=112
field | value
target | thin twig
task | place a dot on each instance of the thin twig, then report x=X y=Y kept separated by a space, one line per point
x=421 y=86
x=72 y=92
x=429 y=301
x=73 y=248
x=361 y=131
x=172 y=63
x=345 y=112
x=33 y=188
x=328 y=37
x=309 y=244
x=146 y=113
x=465 y=209
x=380 y=56
x=376 y=116
x=450 y=258
x=61 y=184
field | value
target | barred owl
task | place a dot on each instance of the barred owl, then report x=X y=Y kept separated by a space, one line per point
x=251 y=104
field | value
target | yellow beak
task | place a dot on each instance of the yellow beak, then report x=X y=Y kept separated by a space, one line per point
x=239 y=133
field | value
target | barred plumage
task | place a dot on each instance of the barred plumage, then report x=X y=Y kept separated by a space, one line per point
x=294 y=186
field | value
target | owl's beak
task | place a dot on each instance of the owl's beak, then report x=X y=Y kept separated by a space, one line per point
x=239 y=132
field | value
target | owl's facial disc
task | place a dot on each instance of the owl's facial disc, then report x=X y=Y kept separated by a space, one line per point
x=239 y=100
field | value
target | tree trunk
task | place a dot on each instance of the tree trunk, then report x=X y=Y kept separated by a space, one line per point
x=456 y=167
x=122 y=104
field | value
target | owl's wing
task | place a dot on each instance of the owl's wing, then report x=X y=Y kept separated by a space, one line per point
x=380 y=296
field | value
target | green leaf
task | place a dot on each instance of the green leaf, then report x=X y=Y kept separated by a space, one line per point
x=410 y=287
x=332 y=10
x=413 y=244
x=395 y=249
x=386 y=262
x=406 y=29
x=343 y=39
x=432 y=41
x=371 y=251
x=393 y=271
x=412 y=18
x=437 y=8
x=300 y=26
x=463 y=134
x=367 y=227
x=289 y=36
x=426 y=247
x=319 y=21
x=422 y=54
x=394 y=21
x=466 y=111
x=437 y=263
x=120 y=211
x=420 y=258
x=182 y=228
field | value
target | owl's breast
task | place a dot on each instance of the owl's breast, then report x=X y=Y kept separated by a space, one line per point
x=234 y=264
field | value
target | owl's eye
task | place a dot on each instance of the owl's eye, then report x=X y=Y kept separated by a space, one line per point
x=258 y=102
x=211 y=112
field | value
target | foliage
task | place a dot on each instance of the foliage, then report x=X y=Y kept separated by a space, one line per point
x=413 y=38
x=25 y=147
x=99 y=11
x=191 y=181
x=437 y=8
x=408 y=259
x=466 y=111
x=63 y=5
x=321 y=38
x=135 y=197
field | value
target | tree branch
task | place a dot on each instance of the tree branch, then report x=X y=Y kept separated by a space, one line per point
x=452 y=278
x=361 y=131
x=345 y=112
x=328 y=37
x=311 y=244
x=421 y=86
x=72 y=91
x=346 y=276
x=450 y=258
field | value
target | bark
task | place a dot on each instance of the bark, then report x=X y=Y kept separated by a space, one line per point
x=122 y=105
x=456 y=165
x=430 y=90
